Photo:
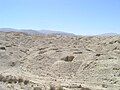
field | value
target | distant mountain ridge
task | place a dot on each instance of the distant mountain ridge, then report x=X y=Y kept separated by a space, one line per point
x=37 y=32
x=109 y=34
x=48 y=32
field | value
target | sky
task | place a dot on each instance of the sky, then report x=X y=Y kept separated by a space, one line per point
x=83 y=17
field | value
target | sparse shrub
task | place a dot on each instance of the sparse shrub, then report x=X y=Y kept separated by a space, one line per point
x=20 y=80
x=77 y=52
x=15 y=80
x=8 y=45
x=88 y=49
x=42 y=48
x=79 y=86
x=11 y=53
x=85 y=88
x=1 y=77
x=111 y=42
x=10 y=80
x=60 y=88
x=52 y=87
x=37 y=88
x=4 y=79
x=26 y=82
x=116 y=41
x=41 y=52
x=2 y=48
x=68 y=58
x=104 y=85
x=54 y=49
x=58 y=51
x=116 y=68
x=98 y=55
x=111 y=58
x=12 y=64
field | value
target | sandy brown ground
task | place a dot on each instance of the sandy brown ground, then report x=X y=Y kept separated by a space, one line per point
x=71 y=62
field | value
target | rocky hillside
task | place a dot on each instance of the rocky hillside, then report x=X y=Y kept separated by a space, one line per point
x=59 y=62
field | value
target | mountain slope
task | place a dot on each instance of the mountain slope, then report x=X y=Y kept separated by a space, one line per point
x=37 y=32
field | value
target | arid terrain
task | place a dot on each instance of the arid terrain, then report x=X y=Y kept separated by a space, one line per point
x=55 y=62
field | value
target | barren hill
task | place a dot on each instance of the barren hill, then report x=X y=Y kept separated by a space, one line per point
x=68 y=62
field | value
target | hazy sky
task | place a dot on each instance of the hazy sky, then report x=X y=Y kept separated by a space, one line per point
x=86 y=17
